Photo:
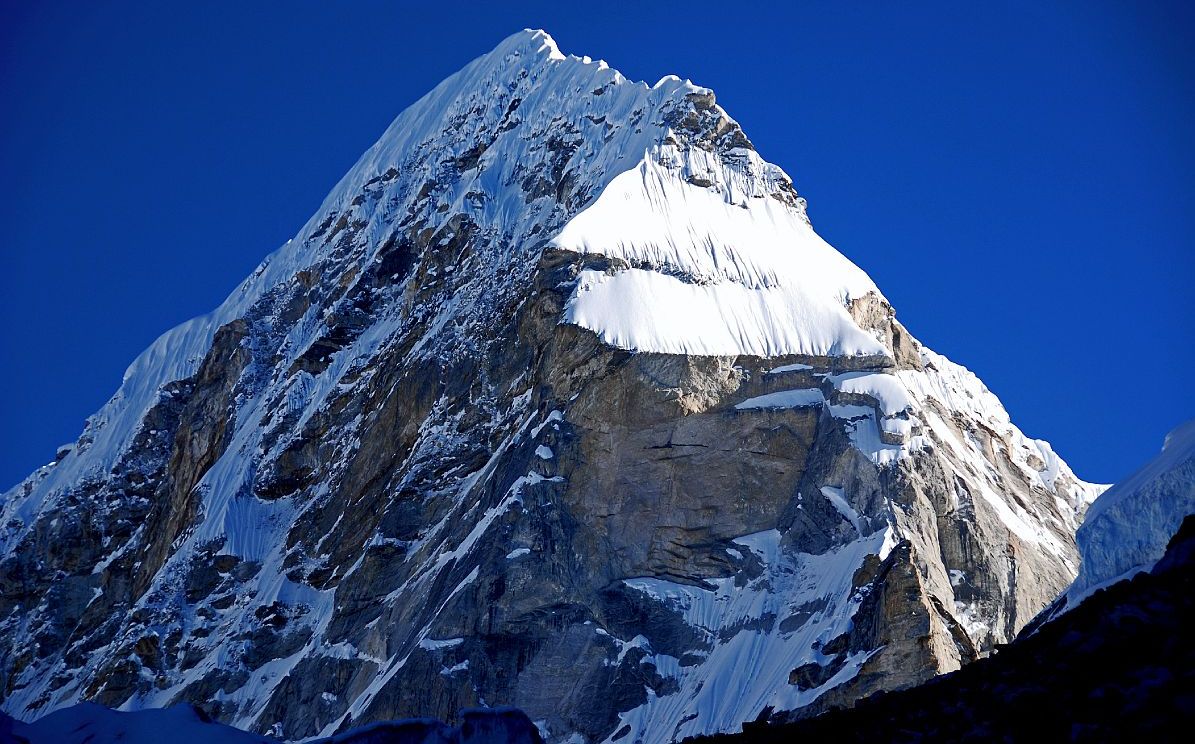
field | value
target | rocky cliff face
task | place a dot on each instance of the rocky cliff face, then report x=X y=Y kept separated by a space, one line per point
x=557 y=402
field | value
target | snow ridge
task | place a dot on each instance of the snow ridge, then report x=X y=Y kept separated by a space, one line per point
x=1128 y=527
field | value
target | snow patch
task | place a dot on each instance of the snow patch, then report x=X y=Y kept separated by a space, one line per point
x=432 y=644
x=836 y=497
x=789 y=368
x=784 y=399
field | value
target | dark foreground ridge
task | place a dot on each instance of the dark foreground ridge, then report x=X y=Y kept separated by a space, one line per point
x=88 y=723
x=1118 y=667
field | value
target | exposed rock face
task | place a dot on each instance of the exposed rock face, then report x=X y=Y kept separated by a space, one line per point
x=557 y=402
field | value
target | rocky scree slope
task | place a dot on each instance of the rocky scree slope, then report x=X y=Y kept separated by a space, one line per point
x=558 y=402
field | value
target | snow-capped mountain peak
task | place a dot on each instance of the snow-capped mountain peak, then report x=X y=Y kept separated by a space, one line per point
x=558 y=401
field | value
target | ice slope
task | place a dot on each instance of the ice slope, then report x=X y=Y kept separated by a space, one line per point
x=719 y=268
x=1127 y=528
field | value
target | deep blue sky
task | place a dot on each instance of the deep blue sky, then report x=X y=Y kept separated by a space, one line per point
x=1017 y=179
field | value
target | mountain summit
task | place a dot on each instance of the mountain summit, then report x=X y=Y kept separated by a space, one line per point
x=558 y=401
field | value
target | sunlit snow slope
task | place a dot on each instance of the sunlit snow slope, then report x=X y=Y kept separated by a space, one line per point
x=717 y=268
x=1128 y=527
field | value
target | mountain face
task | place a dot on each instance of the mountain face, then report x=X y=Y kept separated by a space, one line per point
x=558 y=402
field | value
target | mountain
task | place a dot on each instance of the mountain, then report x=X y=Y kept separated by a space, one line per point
x=558 y=401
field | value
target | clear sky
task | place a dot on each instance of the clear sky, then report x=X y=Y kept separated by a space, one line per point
x=1017 y=179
